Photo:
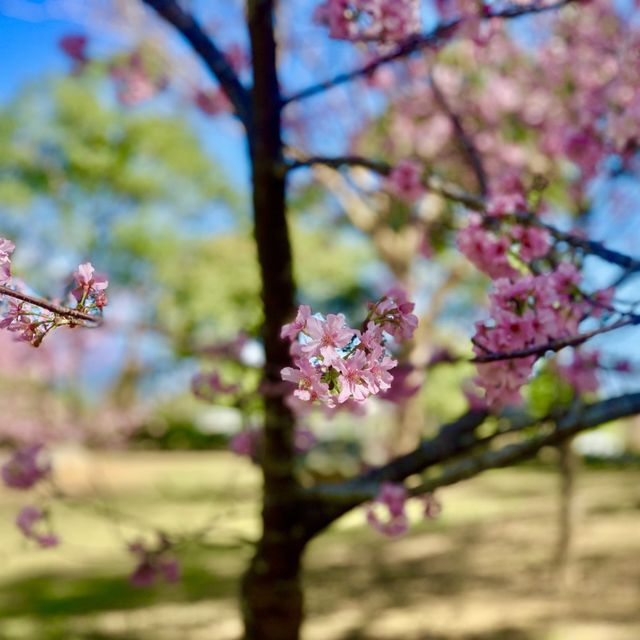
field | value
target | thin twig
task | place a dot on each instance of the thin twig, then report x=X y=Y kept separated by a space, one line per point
x=553 y=345
x=432 y=183
x=466 y=142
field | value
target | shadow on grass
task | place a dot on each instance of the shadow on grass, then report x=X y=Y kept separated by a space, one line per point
x=46 y=606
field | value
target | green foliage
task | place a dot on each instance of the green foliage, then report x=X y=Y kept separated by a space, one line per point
x=548 y=391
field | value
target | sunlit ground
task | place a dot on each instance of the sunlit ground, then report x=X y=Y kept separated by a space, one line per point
x=483 y=571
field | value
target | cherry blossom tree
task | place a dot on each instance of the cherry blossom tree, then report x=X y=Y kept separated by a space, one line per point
x=486 y=143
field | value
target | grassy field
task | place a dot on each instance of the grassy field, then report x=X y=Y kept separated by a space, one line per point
x=482 y=571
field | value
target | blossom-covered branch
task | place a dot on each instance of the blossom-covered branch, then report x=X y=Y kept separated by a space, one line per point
x=430 y=182
x=31 y=318
x=553 y=345
x=59 y=310
x=417 y=42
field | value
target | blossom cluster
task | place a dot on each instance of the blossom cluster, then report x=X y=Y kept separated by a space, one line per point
x=134 y=82
x=153 y=562
x=581 y=372
x=526 y=312
x=26 y=468
x=335 y=363
x=29 y=321
x=493 y=253
x=369 y=20
x=405 y=181
x=387 y=513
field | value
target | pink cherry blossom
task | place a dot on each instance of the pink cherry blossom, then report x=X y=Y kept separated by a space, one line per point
x=308 y=379
x=332 y=333
x=581 y=373
x=211 y=103
x=133 y=82
x=6 y=249
x=405 y=181
x=290 y=331
x=532 y=242
x=75 y=46
x=155 y=560
x=488 y=252
x=29 y=522
x=369 y=20
x=355 y=377
x=528 y=312
x=387 y=514
x=90 y=284
x=394 y=314
x=380 y=364
x=246 y=443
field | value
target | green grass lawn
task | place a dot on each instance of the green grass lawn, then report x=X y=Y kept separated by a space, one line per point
x=482 y=571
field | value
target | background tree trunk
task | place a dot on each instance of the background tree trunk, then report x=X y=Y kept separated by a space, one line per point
x=568 y=462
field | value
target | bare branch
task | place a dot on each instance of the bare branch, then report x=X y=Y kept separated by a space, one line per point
x=574 y=422
x=418 y=42
x=432 y=183
x=210 y=54
x=59 y=310
x=332 y=501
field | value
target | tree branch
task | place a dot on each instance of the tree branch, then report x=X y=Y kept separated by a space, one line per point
x=418 y=42
x=477 y=203
x=466 y=142
x=574 y=422
x=213 y=57
x=432 y=183
x=329 y=502
x=553 y=345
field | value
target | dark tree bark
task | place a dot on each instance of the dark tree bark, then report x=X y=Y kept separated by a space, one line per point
x=271 y=589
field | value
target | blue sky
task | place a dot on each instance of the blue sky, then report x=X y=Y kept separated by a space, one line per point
x=29 y=51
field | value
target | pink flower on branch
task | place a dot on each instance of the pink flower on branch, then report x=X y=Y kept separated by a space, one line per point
x=31 y=318
x=405 y=181
x=154 y=561
x=75 y=46
x=369 y=20
x=387 y=513
x=89 y=284
x=581 y=372
x=26 y=467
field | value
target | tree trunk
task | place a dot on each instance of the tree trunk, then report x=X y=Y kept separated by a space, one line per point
x=271 y=592
x=566 y=513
